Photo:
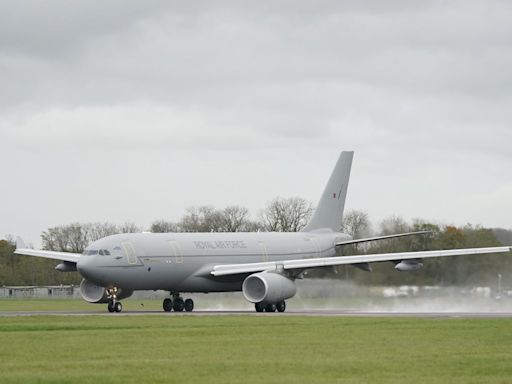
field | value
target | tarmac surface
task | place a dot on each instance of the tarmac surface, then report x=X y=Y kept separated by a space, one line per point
x=291 y=312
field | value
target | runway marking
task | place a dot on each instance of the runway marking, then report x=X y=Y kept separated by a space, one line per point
x=312 y=312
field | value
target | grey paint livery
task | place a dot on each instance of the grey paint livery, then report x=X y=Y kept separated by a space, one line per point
x=219 y=262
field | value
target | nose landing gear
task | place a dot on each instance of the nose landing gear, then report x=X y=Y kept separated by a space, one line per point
x=177 y=304
x=113 y=305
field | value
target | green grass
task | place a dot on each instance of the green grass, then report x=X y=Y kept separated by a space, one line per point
x=248 y=349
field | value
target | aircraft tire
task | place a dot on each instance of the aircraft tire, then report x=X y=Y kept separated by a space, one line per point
x=167 y=305
x=259 y=307
x=189 y=305
x=281 y=306
x=178 y=305
x=110 y=306
x=270 y=307
x=118 y=307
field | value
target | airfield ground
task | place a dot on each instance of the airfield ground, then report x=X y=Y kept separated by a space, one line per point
x=245 y=349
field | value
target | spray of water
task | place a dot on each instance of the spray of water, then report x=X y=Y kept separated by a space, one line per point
x=345 y=295
x=325 y=294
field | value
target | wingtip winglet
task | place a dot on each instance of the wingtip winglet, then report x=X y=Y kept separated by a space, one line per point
x=20 y=244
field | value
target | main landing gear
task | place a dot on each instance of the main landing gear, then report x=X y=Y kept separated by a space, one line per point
x=177 y=304
x=113 y=305
x=271 y=307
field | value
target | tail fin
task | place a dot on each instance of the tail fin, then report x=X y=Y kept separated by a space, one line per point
x=329 y=212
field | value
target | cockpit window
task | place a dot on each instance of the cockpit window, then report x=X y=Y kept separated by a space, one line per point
x=101 y=252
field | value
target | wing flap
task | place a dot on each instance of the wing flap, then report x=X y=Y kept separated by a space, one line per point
x=233 y=269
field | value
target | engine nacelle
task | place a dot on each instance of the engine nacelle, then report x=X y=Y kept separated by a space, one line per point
x=408 y=265
x=93 y=293
x=268 y=287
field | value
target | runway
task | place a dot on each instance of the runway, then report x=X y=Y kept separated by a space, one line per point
x=292 y=312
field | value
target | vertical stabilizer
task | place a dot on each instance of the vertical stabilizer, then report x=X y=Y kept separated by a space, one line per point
x=329 y=212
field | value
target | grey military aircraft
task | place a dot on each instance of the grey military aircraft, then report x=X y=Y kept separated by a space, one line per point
x=263 y=265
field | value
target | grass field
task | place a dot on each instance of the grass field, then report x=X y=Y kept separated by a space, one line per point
x=249 y=349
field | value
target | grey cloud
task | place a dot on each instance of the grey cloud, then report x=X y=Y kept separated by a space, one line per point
x=421 y=91
x=183 y=55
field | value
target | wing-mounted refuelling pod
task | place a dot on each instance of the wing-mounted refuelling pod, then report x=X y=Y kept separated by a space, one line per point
x=66 y=266
x=409 y=265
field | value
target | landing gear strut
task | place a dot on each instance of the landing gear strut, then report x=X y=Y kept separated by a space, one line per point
x=177 y=304
x=113 y=305
x=280 y=306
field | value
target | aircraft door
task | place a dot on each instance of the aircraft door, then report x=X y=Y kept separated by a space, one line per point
x=263 y=250
x=176 y=251
x=129 y=252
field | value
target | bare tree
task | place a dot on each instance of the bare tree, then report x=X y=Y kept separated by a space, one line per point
x=286 y=214
x=162 y=226
x=235 y=218
x=394 y=224
x=208 y=219
x=96 y=231
x=129 y=228
x=75 y=237
x=202 y=219
x=68 y=238
x=78 y=236
x=356 y=223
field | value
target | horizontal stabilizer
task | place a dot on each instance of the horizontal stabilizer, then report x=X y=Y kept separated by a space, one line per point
x=355 y=241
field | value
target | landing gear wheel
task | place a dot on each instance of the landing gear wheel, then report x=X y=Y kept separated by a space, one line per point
x=270 y=308
x=281 y=306
x=118 y=307
x=178 y=305
x=167 y=305
x=189 y=305
x=259 y=307
x=110 y=306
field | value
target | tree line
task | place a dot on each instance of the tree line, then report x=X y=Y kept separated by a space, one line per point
x=289 y=215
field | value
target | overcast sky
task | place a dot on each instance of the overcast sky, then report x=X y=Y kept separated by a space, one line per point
x=133 y=111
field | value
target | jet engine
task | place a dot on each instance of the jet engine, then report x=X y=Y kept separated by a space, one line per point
x=268 y=287
x=93 y=293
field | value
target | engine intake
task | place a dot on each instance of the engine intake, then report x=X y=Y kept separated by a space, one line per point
x=93 y=293
x=268 y=287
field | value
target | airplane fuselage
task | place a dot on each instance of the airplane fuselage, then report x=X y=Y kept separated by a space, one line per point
x=182 y=262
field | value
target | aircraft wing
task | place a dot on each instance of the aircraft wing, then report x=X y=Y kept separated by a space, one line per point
x=21 y=249
x=234 y=269
x=355 y=241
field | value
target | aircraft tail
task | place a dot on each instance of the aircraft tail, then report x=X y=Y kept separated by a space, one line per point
x=329 y=212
